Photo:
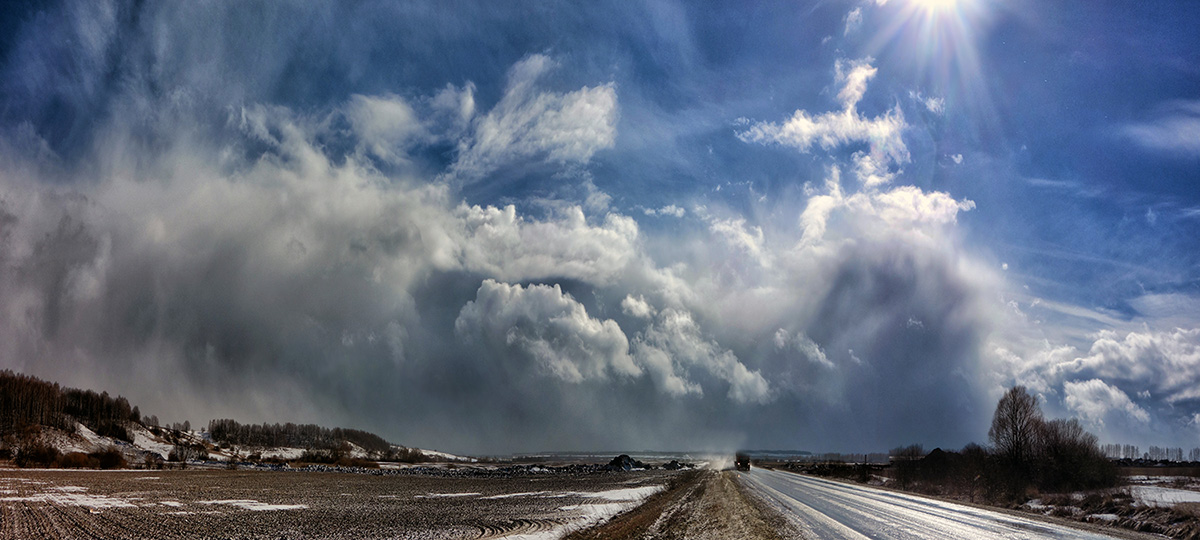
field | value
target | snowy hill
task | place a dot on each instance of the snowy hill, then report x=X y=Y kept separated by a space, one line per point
x=43 y=424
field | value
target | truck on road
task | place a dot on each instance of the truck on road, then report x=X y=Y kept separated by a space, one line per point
x=741 y=462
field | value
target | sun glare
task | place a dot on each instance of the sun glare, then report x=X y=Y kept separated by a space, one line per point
x=935 y=5
x=938 y=40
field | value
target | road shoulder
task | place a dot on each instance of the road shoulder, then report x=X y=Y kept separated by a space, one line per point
x=702 y=504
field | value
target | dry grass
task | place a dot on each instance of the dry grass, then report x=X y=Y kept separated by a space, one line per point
x=1190 y=509
x=1160 y=471
x=704 y=504
x=636 y=522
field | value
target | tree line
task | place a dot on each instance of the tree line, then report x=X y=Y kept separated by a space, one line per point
x=1027 y=452
x=27 y=401
x=230 y=432
x=1154 y=453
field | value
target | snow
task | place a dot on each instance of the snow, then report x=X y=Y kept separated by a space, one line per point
x=1144 y=479
x=90 y=436
x=285 y=453
x=1163 y=496
x=589 y=514
x=628 y=494
x=1037 y=506
x=511 y=495
x=446 y=456
x=595 y=513
x=357 y=451
x=1104 y=517
x=145 y=440
x=72 y=442
x=69 y=489
x=74 y=496
x=440 y=495
x=172 y=504
x=250 y=504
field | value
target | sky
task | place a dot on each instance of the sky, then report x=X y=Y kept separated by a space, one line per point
x=503 y=227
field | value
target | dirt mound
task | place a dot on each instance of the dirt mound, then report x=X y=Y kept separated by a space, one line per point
x=625 y=463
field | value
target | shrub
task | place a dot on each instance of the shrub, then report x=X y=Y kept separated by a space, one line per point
x=37 y=455
x=110 y=458
x=152 y=461
x=410 y=455
x=316 y=456
x=1189 y=509
x=75 y=460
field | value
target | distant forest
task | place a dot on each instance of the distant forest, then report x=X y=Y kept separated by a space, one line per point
x=28 y=402
x=312 y=436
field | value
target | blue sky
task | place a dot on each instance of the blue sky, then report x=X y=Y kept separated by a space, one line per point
x=494 y=227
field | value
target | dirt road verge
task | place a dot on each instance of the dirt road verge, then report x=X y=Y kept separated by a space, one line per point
x=698 y=505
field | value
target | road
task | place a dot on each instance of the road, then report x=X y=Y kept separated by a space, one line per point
x=830 y=510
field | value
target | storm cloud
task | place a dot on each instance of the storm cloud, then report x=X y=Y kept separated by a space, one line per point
x=432 y=225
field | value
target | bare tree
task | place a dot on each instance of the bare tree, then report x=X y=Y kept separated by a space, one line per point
x=1016 y=426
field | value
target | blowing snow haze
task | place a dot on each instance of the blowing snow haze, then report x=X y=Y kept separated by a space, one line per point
x=492 y=228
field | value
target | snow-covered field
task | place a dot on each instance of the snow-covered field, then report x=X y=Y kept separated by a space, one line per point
x=1163 y=496
x=210 y=503
x=600 y=505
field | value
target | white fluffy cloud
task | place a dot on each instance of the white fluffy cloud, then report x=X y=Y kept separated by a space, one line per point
x=1132 y=383
x=744 y=239
x=1093 y=400
x=874 y=212
x=500 y=243
x=1165 y=362
x=910 y=205
x=854 y=20
x=384 y=125
x=548 y=326
x=668 y=210
x=803 y=344
x=565 y=128
x=637 y=307
x=674 y=344
x=883 y=133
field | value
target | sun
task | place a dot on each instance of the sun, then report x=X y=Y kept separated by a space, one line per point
x=935 y=5
x=938 y=41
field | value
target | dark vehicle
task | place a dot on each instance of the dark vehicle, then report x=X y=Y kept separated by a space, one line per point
x=741 y=462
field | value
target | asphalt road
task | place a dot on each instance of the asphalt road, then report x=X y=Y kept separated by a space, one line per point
x=831 y=510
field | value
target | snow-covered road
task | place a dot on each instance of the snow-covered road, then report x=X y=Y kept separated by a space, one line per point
x=833 y=510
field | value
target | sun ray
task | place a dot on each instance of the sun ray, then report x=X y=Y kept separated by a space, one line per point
x=938 y=40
